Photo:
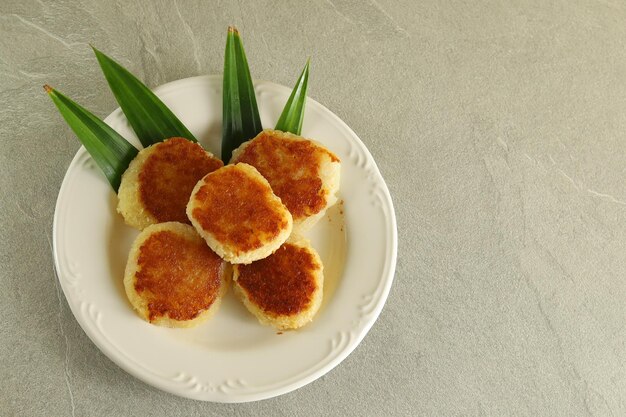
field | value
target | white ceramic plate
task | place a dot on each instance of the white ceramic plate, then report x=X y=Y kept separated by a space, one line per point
x=231 y=358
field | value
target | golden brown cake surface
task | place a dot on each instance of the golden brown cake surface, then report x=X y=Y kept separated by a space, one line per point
x=169 y=175
x=283 y=283
x=178 y=277
x=235 y=210
x=292 y=166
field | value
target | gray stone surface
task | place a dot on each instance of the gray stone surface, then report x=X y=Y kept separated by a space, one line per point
x=499 y=128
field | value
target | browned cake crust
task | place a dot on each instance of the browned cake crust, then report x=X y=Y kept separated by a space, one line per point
x=169 y=175
x=295 y=168
x=157 y=185
x=172 y=277
x=237 y=213
x=284 y=289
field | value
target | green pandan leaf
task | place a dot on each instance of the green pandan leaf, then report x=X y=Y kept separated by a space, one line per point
x=151 y=120
x=293 y=114
x=108 y=148
x=240 y=118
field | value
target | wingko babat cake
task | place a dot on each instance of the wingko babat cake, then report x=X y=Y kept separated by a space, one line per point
x=158 y=182
x=303 y=173
x=236 y=212
x=173 y=278
x=285 y=289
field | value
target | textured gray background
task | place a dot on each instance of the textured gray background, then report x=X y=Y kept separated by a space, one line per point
x=499 y=128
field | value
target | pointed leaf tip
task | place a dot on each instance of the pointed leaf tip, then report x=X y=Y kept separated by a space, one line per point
x=240 y=120
x=47 y=88
x=291 y=118
x=149 y=117
x=108 y=148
